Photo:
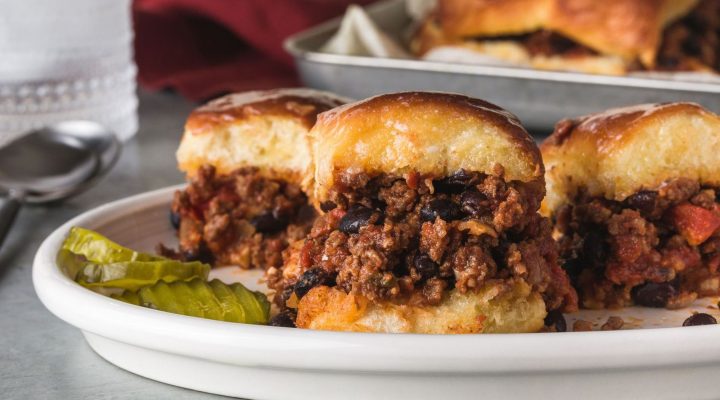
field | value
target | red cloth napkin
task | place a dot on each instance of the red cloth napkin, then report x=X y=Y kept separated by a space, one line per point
x=203 y=48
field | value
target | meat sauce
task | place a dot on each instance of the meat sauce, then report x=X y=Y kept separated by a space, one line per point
x=242 y=218
x=415 y=238
x=657 y=248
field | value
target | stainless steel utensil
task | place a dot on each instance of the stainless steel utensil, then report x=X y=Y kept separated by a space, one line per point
x=53 y=163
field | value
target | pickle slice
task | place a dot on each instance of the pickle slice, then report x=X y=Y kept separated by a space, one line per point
x=198 y=298
x=99 y=249
x=254 y=308
x=229 y=304
x=156 y=282
x=132 y=275
x=94 y=261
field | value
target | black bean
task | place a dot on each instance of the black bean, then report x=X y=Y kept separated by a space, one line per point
x=573 y=267
x=327 y=206
x=311 y=278
x=355 y=218
x=206 y=256
x=305 y=213
x=285 y=319
x=402 y=268
x=643 y=201
x=284 y=214
x=473 y=203
x=594 y=247
x=556 y=319
x=445 y=209
x=190 y=255
x=268 y=222
x=454 y=183
x=426 y=267
x=284 y=296
x=700 y=319
x=175 y=219
x=202 y=254
x=654 y=294
x=443 y=186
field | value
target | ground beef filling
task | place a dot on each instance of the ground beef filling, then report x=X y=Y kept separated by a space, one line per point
x=657 y=248
x=413 y=239
x=241 y=218
x=545 y=43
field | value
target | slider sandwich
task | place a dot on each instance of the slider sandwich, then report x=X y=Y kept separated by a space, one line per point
x=634 y=196
x=430 y=223
x=602 y=37
x=245 y=156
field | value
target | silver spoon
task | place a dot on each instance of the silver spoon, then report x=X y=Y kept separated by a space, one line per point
x=53 y=163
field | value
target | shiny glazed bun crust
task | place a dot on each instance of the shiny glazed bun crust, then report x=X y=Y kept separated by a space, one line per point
x=463 y=18
x=619 y=152
x=263 y=129
x=434 y=134
x=626 y=28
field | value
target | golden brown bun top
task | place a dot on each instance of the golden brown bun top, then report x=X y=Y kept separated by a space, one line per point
x=430 y=42
x=619 y=152
x=434 y=134
x=297 y=103
x=627 y=28
x=263 y=129
x=463 y=18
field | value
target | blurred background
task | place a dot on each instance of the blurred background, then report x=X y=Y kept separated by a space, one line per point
x=203 y=49
x=598 y=56
x=82 y=59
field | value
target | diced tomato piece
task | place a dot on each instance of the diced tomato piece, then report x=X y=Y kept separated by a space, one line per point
x=694 y=223
x=306 y=255
x=413 y=180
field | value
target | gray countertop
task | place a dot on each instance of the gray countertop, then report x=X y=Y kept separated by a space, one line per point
x=42 y=357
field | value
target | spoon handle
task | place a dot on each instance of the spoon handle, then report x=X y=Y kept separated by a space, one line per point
x=9 y=207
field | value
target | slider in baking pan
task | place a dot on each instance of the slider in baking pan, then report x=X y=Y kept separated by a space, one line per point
x=601 y=37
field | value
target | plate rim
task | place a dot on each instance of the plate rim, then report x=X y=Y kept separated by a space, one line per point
x=274 y=347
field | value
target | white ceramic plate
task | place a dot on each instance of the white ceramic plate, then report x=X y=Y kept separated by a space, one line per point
x=263 y=362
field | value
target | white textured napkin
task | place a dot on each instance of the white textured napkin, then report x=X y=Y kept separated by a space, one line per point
x=359 y=36
x=69 y=59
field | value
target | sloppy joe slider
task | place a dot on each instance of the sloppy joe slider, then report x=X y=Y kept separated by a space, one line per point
x=634 y=196
x=430 y=222
x=246 y=155
x=605 y=37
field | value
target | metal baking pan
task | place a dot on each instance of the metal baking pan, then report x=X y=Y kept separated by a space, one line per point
x=539 y=98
